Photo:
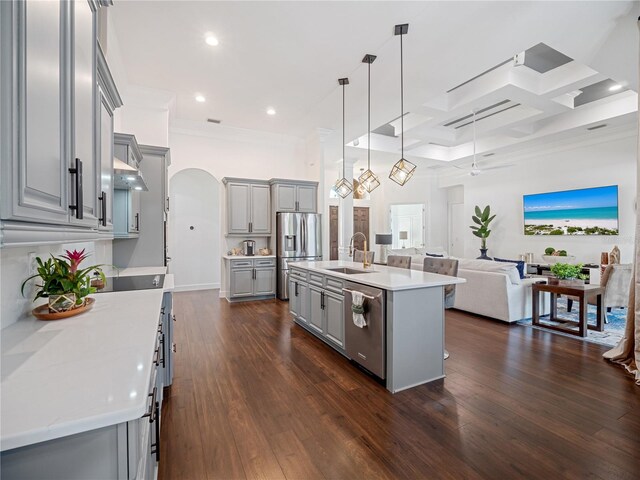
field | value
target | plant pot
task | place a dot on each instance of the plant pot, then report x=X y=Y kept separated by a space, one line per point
x=565 y=282
x=62 y=303
x=483 y=254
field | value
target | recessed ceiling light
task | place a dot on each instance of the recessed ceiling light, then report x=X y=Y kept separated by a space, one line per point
x=131 y=179
x=200 y=98
x=615 y=88
x=271 y=111
x=138 y=188
x=211 y=40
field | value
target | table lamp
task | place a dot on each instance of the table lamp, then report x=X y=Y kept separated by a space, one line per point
x=384 y=239
x=404 y=235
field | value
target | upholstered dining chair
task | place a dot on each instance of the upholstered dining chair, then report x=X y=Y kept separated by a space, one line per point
x=616 y=281
x=400 y=261
x=358 y=256
x=443 y=266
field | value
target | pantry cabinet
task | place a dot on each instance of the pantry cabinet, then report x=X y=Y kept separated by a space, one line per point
x=49 y=115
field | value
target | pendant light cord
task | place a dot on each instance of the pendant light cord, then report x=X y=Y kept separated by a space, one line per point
x=401 y=100
x=369 y=119
x=343 y=123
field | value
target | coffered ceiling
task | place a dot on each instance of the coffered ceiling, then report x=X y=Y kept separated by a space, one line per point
x=458 y=57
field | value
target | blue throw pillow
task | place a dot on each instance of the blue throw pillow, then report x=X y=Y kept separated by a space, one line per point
x=519 y=265
x=433 y=255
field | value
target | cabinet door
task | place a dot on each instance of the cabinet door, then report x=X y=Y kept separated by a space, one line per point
x=264 y=281
x=260 y=209
x=334 y=308
x=241 y=282
x=83 y=80
x=238 y=207
x=105 y=147
x=39 y=177
x=294 y=297
x=133 y=215
x=286 y=195
x=120 y=212
x=316 y=312
x=304 y=308
x=306 y=196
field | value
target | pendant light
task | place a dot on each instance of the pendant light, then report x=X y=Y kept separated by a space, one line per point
x=368 y=179
x=403 y=169
x=343 y=186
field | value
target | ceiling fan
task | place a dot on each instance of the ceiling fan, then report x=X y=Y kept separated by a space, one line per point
x=475 y=169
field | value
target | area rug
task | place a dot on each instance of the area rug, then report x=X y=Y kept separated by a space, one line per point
x=613 y=331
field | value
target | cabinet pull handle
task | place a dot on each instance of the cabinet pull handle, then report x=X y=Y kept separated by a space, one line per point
x=296 y=283
x=155 y=447
x=162 y=311
x=164 y=365
x=174 y=318
x=322 y=300
x=152 y=411
x=167 y=204
x=77 y=171
x=156 y=356
x=174 y=348
x=103 y=209
x=137 y=222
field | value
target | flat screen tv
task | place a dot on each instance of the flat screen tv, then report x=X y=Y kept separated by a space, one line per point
x=588 y=211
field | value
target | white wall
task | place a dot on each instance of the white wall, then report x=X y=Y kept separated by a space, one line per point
x=14 y=269
x=609 y=162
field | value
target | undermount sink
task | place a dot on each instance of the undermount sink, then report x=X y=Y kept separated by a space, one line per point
x=347 y=270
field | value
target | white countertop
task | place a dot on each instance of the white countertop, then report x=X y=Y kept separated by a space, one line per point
x=241 y=257
x=381 y=276
x=78 y=374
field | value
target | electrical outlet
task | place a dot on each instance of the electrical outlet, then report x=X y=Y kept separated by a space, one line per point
x=32 y=265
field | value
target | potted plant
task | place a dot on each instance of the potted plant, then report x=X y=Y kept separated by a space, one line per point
x=567 y=274
x=482 y=219
x=64 y=284
x=551 y=255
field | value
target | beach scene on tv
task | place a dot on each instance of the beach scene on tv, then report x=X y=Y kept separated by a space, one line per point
x=589 y=211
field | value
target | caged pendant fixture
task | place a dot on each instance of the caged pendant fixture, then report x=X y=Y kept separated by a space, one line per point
x=343 y=186
x=368 y=179
x=403 y=169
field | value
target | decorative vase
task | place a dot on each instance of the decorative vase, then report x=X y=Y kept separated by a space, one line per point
x=62 y=303
x=483 y=254
x=565 y=282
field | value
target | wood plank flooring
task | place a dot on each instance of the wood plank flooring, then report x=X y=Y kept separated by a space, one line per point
x=255 y=396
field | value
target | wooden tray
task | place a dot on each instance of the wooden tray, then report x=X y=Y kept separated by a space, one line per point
x=42 y=312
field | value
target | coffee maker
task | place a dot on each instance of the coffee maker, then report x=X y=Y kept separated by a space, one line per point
x=249 y=248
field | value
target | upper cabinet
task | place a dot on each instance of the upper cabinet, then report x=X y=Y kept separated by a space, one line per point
x=294 y=196
x=127 y=211
x=49 y=122
x=248 y=207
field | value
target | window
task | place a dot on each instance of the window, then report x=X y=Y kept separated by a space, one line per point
x=407 y=220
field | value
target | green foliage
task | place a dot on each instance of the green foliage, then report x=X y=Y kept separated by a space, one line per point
x=562 y=253
x=482 y=219
x=557 y=231
x=566 y=271
x=549 y=251
x=59 y=276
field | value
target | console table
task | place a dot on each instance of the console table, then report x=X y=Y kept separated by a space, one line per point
x=544 y=269
x=582 y=292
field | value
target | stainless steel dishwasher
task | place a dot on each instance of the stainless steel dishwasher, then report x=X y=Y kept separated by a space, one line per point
x=367 y=345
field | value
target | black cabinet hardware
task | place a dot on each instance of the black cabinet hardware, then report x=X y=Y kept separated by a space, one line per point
x=137 y=222
x=164 y=365
x=103 y=209
x=152 y=410
x=296 y=289
x=322 y=300
x=77 y=172
x=156 y=356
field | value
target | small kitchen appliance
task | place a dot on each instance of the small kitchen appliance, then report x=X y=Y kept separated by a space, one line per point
x=249 y=248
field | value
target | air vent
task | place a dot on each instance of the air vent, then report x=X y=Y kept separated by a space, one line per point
x=213 y=120
x=482 y=113
x=596 y=127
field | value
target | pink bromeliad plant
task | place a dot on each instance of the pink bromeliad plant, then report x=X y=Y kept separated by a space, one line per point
x=62 y=275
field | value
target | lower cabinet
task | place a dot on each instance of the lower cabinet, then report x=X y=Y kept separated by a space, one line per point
x=251 y=277
x=320 y=309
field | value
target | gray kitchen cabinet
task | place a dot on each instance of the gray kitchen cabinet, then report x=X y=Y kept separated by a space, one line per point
x=123 y=214
x=334 y=308
x=133 y=215
x=108 y=100
x=248 y=207
x=294 y=195
x=294 y=297
x=49 y=118
x=316 y=308
x=251 y=278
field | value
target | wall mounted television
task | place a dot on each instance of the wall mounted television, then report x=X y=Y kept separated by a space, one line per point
x=587 y=211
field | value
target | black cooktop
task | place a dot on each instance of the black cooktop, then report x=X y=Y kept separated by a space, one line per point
x=139 y=282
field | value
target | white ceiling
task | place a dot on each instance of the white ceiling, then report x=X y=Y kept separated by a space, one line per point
x=289 y=55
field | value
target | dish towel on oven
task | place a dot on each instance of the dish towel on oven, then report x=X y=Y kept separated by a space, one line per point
x=357 y=307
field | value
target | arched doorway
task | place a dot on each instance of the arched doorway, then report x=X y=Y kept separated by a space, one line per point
x=194 y=230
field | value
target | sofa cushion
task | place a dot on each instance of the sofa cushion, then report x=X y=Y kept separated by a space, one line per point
x=518 y=263
x=509 y=269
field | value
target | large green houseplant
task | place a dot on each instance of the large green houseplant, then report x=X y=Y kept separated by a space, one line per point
x=567 y=273
x=63 y=283
x=482 y=219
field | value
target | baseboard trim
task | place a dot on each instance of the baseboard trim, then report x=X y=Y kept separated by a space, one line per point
x=197 y=286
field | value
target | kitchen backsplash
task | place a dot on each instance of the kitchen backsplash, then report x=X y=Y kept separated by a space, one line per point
x=235 y=242
x=14 y=268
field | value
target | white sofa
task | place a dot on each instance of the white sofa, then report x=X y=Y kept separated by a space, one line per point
x=493 y=289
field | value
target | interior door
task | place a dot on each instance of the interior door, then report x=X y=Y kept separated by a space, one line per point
x=333 y=232
x=457 y=229
x=361 y=224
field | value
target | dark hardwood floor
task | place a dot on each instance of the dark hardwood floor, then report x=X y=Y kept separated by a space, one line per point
x=255 y=396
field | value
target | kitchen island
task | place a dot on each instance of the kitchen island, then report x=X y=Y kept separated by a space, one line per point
x=407 y=306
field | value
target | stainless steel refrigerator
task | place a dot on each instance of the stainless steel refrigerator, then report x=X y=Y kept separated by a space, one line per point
x=298 y=238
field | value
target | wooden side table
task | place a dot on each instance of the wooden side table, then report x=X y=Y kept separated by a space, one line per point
x=583 y=292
